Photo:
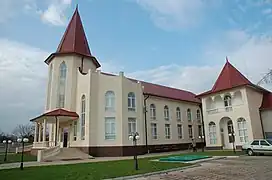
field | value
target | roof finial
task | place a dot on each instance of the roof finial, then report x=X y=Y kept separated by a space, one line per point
x=227 y=60
x=76 y=7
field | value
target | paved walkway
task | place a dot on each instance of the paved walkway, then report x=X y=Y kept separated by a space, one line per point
x=98 y=159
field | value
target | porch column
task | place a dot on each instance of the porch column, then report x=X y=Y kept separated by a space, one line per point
x=40 y=132
x=56 y=130
x=36 y=132
x=44 y=130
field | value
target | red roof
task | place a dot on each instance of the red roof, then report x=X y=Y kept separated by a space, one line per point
x=267 y=101
x=165 y=92
x=74 y=40
x=229 y=78
x=58 y=112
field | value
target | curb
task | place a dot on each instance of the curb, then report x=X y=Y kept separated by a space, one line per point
x=154 y=173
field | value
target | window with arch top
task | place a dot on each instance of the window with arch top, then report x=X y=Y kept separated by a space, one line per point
x=109 y=101
x=227 y=101
x=212 y=133
x=152 y=111
x=166 y=112
x=83 y=116
x=242 y=130
x=131 y=101
x=61 y=85
x=189 y=115
x=198 y=115
x=178 y=114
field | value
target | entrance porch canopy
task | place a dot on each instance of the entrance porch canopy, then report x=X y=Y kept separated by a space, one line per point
x=60 y=114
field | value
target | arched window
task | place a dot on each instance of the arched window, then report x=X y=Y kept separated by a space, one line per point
x=242 y=130
x=166 y=112
x=83 y=116
x=227 y=101
x=49 y=86
x=152 y=111
x=131 y=101
x=61 y=85
x=198 y=115
x=230 y=131
x=178 y=113
x=189 y=115
x=212 y=133
x=109 y=101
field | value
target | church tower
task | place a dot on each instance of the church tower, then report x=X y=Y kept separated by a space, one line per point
x=72 y=55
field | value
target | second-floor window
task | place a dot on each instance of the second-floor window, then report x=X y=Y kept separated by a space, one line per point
x=109 y=101
x=152 y=111
x=61 y=85
x=166 y=113
x=189 y=115
x=131 y=102
x=178 y=113
x=227 y=101
x=198 y=115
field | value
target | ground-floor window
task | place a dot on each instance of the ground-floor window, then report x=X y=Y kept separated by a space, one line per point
x=110 y=128
x=154 y=131
x=190 y=130
x=212 y=133
x=200 y=133
x=167 y=131
x=132 y=125
x=242 y=130
x=179 y=131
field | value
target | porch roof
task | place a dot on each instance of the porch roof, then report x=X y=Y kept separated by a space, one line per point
x=57 y=113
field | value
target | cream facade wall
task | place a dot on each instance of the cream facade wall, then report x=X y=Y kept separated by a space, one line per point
x=214 y=111
x=173 y=121
x=93 y=85
x=267 y=122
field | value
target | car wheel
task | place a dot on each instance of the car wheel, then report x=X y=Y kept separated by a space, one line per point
x=250 y=152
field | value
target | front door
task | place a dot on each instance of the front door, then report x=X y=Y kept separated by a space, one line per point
x=65 y=139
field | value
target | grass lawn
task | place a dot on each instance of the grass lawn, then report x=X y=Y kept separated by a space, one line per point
x=11 y=158
x=97 y=170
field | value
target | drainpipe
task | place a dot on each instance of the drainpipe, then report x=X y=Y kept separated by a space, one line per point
x=145 y=121
x=264 y=136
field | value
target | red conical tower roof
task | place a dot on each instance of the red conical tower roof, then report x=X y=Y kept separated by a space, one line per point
x=229 y=78
x=74 y=40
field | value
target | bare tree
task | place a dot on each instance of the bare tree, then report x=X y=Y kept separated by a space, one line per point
x=24 y=130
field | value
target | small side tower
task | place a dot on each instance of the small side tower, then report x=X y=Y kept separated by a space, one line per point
x=73 y=54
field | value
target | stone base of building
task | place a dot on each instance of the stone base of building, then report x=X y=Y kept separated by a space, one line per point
x=221 y=148
x=115 y=151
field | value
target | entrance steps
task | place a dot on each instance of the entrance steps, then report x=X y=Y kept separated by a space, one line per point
x=68 y=154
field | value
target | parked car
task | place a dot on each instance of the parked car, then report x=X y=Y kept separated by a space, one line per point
x=258 y=146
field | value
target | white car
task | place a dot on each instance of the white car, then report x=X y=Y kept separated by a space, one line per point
x=258 y=146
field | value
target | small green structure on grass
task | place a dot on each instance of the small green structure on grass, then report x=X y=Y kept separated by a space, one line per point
x=184 y=158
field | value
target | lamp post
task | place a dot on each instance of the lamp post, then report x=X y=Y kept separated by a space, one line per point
x=6 y=142
x=202 y=141
x=232 y=134
x=23 y=141
x=134 y=137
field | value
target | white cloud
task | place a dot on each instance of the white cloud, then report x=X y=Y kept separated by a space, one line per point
x=173 y=14
x=55 y=13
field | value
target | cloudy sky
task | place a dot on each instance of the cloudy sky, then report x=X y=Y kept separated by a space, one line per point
x=180 y=43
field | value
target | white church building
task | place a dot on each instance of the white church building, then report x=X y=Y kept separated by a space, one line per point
x=96 y=112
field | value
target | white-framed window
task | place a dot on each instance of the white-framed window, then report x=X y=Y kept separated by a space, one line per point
x=242 y=130
x=179 y=126
x=212 y=133
x=167 y=131
x=131 y=101
x=75 y=130
x=61 y=85
x=200 y=130
x=110 y=128
x=178 y=114
x=109 y=101
x=198 y=115
x=227 y=101
x=83 y=116
x=49 y=86
x=189 y=115
x=166 y=112
x=132 y=126
x=190 y=131
x=152 y=111
x=154 y=131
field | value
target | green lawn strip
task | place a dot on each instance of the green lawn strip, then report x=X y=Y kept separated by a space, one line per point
x=11 y=158
x=100 y=170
